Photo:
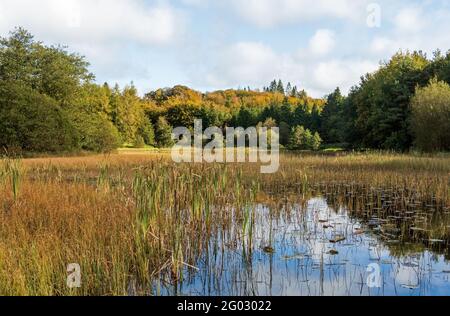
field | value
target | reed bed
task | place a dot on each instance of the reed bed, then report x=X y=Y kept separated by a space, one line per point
x=129 y=220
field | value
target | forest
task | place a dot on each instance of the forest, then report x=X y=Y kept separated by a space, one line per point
x=50 y=103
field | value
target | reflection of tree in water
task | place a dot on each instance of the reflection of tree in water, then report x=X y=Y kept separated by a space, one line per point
x=301 y=263
x=402 y=221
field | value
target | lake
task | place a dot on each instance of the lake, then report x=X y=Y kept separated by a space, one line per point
x=315 y=249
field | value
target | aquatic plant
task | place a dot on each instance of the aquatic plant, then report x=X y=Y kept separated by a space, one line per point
x=134 y=220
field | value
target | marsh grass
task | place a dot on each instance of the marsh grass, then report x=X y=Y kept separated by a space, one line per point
x=131 y=220
x=11 y=172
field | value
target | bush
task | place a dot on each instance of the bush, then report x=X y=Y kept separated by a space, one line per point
x=303 y=139
x=430 y=121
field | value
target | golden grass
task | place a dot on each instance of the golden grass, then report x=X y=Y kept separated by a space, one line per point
x=129 y=219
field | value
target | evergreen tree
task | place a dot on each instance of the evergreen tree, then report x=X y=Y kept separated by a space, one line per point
x=294 y=92
x=163 y=133
x=303 y=95
x=146 y=132
x=285 y=133
x=382 y=102
x=128 y=113
x=280 y=87
x=332 y=121
x=273 y=86
x=315 y=119
x=304 y=139
x=288 y=89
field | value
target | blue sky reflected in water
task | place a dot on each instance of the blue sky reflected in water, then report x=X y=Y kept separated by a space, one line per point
x=306 y=262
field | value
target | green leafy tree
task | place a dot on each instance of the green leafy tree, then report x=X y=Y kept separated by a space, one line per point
x=431 y=117
x=294 y=92
x=128 y=113
x=269 y=123
x=350 y=134
x=49 y=70
x=43 y=87
x=90 y=113
x=288 y=89
x=308 y=140
x=332 y=121
x=212 y=116
x=183 y=115
x=95 y=132
x=273 y=86
x=33 y=122
x=316 y=142
x=285 y=133
x=246 y=117
x=439 y=67
x=146 y=133
x=304 y=139
x=382 y=102
x=297 y=140
x=280 y=87
x=301 y=115
x=315 y=118
x=163 y=133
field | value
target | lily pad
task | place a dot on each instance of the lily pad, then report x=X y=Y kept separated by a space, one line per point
x=268 y=249
x=337 y=239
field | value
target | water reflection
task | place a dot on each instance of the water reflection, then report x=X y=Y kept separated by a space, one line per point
x=313 y=250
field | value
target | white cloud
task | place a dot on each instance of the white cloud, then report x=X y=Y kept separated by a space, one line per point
x=116 y=36
x=256 y=64
x=267 y=13
x=410 y=20
x=413 y=28
x=141 y=40
x=244 y=63
x=322 y=42
x=92 y=20
x=195 y=3
x=380 y=44
x=341 y=73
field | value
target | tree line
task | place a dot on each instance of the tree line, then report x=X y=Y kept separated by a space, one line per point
x=405 y=104
x=49 y=102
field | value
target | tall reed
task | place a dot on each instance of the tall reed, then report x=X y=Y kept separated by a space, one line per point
x=130 y=220
x=11 y=172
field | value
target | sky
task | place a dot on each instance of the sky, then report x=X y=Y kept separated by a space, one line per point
x=219 y=44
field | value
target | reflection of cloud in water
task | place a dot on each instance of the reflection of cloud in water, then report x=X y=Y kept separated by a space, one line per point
x=407 y=275
x=318 y=251
x=301 y=244
x=374 y=251
x=318 y=210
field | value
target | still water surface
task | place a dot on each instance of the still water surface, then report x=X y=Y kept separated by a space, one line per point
x=315 y=250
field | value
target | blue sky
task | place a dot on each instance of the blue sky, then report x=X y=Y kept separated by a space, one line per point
x=219 y=44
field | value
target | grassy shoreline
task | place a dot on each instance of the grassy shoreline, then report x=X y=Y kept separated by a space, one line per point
x=132 y=218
